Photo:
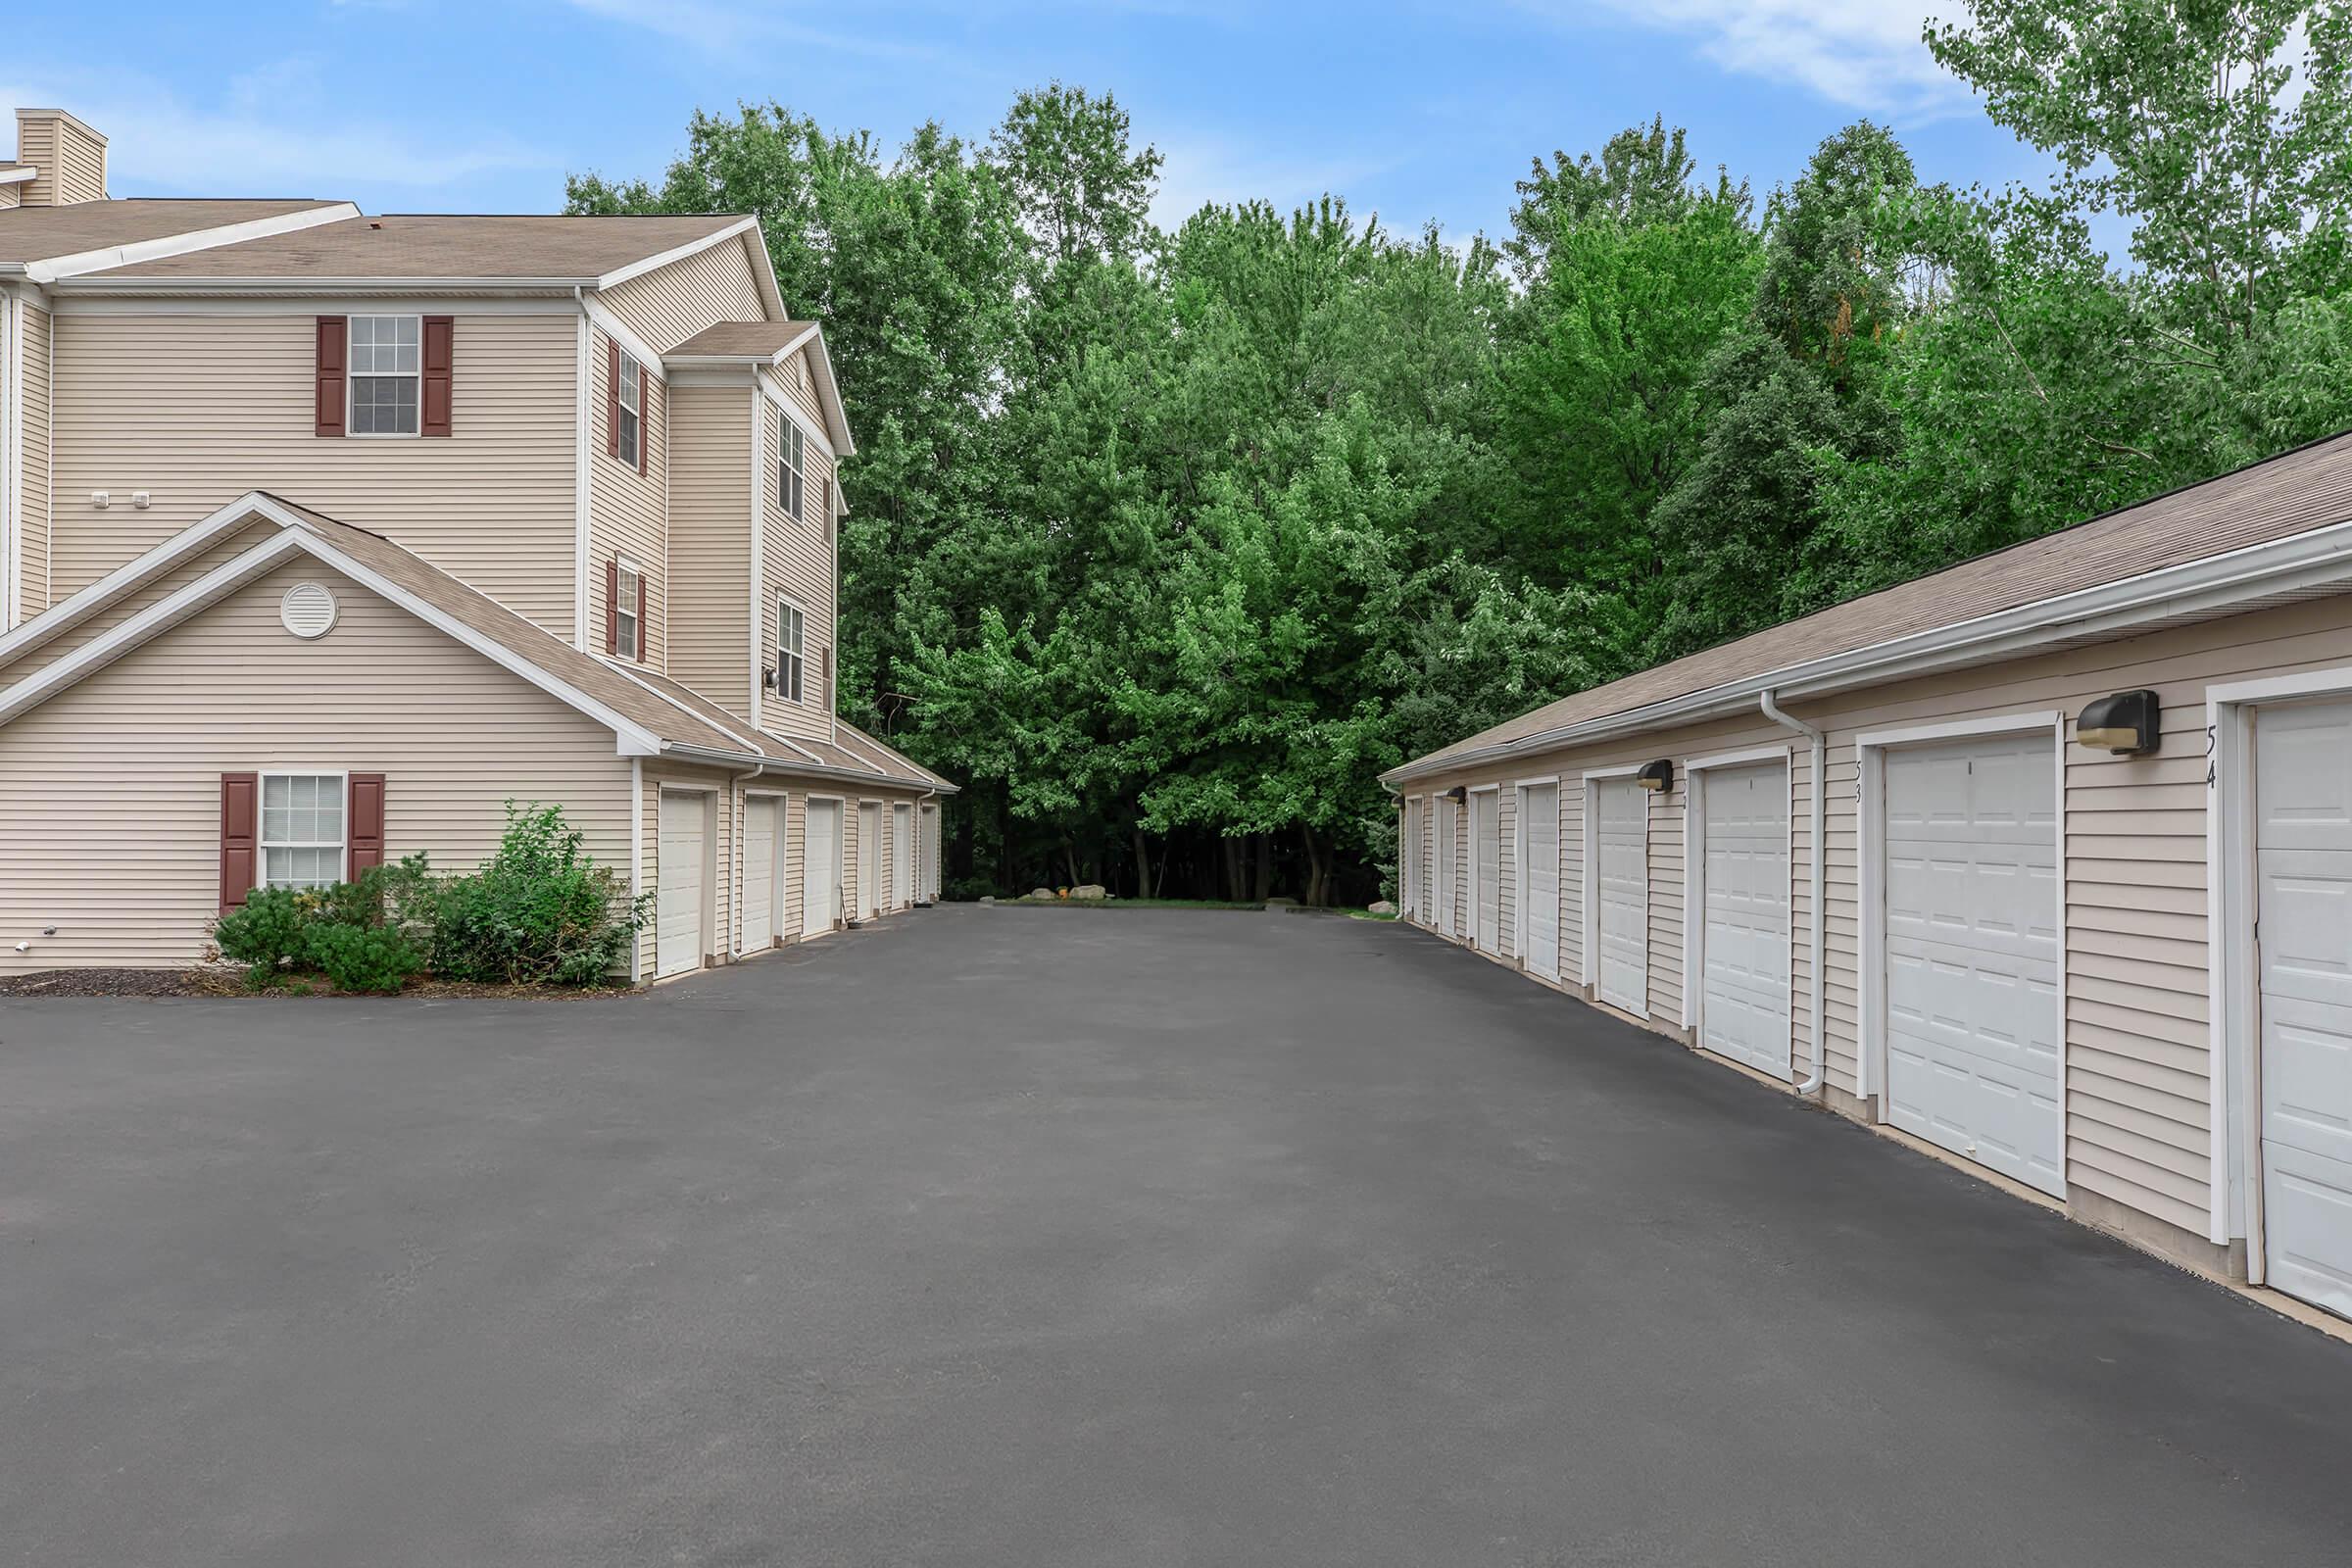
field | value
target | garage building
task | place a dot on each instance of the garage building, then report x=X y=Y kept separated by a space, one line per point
x=2044 y=860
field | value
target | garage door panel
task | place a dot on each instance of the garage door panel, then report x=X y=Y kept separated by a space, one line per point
x=1540 y=826
x=1971 y=941
x=1743 y=956
x=681 y=893
x=820 y=868
x=760 y=815
x=1486 y=840
x=2303 y=870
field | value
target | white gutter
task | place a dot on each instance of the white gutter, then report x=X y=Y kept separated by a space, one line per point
x=2316 y=558
x=1820 y=916
x=782 y=766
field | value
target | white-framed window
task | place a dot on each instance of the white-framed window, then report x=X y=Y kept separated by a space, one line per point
x=627 y=584
x=386 y=374
x=792 y=650
x=302 y=838
x=792 y=470
x=629 y=398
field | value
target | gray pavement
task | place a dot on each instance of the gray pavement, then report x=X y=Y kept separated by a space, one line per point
x=1047 y=1237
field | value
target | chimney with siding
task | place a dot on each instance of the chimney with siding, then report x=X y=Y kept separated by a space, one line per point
x=67 y=160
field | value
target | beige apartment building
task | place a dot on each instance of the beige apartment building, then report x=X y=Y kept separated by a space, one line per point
x=323 y=535
x=2044 y=860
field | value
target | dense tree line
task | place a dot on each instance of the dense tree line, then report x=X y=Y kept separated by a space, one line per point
x=1168 y=543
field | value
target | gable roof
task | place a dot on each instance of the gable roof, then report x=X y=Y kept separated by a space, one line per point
x=33 y=234
x=766 y=343
x=2277 y=528
x=428 y=247
x=649 y=714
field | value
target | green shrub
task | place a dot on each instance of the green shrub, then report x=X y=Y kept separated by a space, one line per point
x=376 y=959
x=538 y=911
x=271 y=931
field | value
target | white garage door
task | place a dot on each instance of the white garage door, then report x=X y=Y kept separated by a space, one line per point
x=1972 y=953
x=1540 y=896
x=1621 y=835
x=761 y=883
x=820 y=869
x=869 y=860
x=1449 y=919
x=1743 y=943
x=681 y=899
x=902 y=856
x=1485 y=860
x=2303 y=858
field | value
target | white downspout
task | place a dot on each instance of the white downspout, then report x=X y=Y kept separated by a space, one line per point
x=1820 y=792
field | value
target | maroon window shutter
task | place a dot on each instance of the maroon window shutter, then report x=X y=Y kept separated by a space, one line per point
x=641 y=615
x=644 y=417
x=440 y=342
x=240 y=804
x=365 y=824
x=612 y=401
x=335 y=355
x=613 y=604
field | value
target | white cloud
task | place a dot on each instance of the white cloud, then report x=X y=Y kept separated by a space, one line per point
x=1864 y=54
x=263 y=138
x=725 y=26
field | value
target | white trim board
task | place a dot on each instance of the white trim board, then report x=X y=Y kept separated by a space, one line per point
x=56 y=268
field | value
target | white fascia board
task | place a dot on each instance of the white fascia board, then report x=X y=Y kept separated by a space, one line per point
x=783 y=767
x=200 y=240
x=636 y=348
x=638 y=269
x=19 y=175
x=830 y=394
x=71 y=612
x=2318 y=558
x=792 y=411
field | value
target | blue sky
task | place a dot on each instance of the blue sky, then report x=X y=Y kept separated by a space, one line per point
x=1417 y=112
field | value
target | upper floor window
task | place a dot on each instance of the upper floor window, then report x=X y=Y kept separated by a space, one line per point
x=625 y=634
x=629 y=410
x=792 y=650
x=387 y=372
x=792 y=470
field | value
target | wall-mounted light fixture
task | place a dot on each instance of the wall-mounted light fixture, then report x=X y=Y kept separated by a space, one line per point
x=1657 y=775
x=1459 y=794
x=2123 y=724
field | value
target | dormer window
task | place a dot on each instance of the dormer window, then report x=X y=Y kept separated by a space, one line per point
x=629 y=425
x=792 y=470
x=387 y=372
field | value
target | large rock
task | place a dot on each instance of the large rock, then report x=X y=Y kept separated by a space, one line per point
x=1282 y=904
x=987 y=898
x=1381 y=907
x=1042 y=895
x=1090 y=890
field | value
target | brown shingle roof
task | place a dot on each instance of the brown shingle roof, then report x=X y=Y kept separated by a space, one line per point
x=429 y=246
x=2310 y=487
x=675 y=713
x=740 y=340
x=41 y=233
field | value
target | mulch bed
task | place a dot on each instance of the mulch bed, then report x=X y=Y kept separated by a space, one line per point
x=211 y=981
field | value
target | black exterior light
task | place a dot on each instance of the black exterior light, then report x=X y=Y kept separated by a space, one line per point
x=2123 y=724
x=1657 y=775
x=1459 y=794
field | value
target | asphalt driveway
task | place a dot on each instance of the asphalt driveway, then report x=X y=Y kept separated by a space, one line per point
x=1039 y=1238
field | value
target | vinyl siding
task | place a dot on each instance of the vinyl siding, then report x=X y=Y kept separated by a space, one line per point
x=109 y=792
x=68 y=167
x=161 y=585
x=626 y=509
x=32 y=594
x=2139 y=1099
x=797 y=561
x=709 y=644
x=197 y=410
x=670 y=304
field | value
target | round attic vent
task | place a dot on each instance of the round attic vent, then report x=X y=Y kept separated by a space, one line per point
x=308 y=610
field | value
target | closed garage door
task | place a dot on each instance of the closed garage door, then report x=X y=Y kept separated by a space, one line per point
x=2303 y=858
x=1621 y=837
x=1972 y=953
x=902 y=856
x=1743 y=945
x=683 y=897
x=761 y=883
x=1540 y=860
x=1485 y=860
x=820 y=869
x=1449 y=895
x=869 y=860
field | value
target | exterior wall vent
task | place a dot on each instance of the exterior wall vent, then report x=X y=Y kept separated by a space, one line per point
x=308 y=611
